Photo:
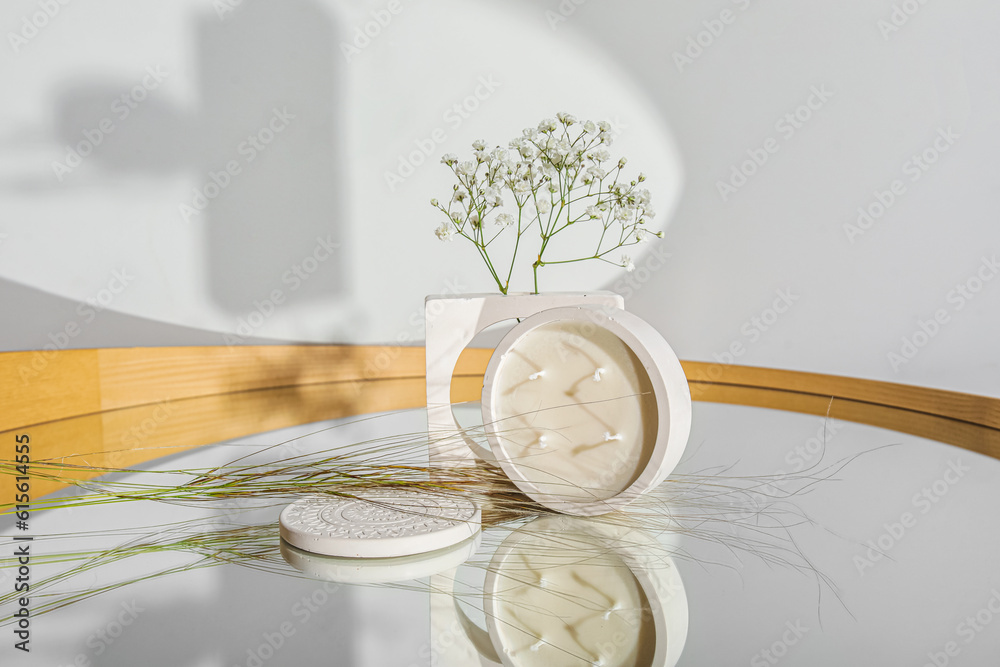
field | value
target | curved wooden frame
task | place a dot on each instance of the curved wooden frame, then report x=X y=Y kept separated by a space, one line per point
x=123 y=406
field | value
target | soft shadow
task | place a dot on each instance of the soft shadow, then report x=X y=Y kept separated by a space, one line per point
x=269 y=90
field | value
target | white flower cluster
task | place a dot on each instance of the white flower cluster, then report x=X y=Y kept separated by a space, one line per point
x=556 y=175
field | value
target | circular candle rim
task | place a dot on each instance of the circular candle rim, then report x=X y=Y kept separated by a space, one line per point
x=671 y=394
x=664 y=591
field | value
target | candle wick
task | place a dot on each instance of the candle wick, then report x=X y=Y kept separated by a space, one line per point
x=535 y=376
x=597 y=374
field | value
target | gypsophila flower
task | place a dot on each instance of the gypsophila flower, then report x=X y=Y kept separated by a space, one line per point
x=547 y=125
x=492 y=196
x=599 y=155
x=445 y=232
x=558 y=174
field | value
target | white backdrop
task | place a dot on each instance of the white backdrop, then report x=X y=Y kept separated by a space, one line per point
x=764 y=128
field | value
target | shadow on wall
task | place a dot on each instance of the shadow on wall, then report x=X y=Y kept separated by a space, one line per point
x=261 y=144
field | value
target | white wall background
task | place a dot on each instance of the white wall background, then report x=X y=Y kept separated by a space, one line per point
x=226 y=66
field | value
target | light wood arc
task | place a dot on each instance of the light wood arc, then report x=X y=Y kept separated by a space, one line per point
x=123 y=406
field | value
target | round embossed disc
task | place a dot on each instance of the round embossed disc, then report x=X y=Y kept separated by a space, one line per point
x=380 y=523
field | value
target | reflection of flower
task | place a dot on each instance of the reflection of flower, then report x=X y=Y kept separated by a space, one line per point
x=557 y=181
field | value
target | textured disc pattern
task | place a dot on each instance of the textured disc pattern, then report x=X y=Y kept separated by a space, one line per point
x=379 y=523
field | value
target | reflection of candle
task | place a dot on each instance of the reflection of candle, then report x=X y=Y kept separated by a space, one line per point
x=564 y=590
x=568 y=610
x=580 y=404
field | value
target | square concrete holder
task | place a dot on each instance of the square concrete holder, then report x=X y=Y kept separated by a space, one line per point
x=451 y=324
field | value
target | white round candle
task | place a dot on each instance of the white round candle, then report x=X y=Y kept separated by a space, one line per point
x=580 y=405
